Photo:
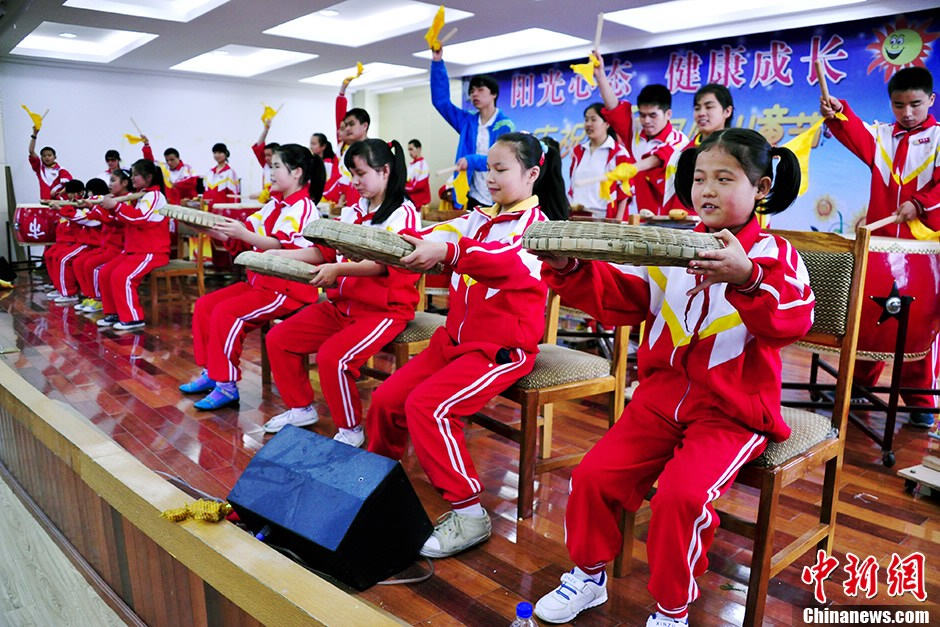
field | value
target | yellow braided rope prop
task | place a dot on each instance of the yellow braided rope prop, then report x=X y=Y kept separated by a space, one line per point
x=203 y=509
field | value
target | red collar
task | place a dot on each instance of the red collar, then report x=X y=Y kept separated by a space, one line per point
x=661 y=135
x=900 y=130
x=301 y=193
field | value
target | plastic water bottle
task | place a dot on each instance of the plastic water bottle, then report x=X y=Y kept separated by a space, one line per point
x=524 y=616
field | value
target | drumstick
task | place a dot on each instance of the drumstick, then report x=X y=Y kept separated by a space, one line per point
x=443 y=171
x=139 y=132
x=821 y=77
x=597 y=33
x=877 y=224
x=443 y=40
x=45 y=113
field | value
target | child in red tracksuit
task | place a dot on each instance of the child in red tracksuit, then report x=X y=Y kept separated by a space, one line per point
x=52 y=177
x=66 y=242
x=88 y=236
x=905 y=182
x=146 y=247
x=490 y=339
x=264 y=152
x=221 y=319
x=110 y=243
x=369 y=303
x=709 y=393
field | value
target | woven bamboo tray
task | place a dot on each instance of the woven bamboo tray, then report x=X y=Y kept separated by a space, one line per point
x=619 y=243
x=191 y=216
x=274 y=265
x=357 y=241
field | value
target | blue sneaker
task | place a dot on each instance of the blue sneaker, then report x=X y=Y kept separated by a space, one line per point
x=921 y=419
x=200 y=384
x=218 y=398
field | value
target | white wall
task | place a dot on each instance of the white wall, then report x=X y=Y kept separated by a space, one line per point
x=90 y=110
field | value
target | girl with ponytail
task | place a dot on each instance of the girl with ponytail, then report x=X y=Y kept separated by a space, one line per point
x=490 y=338
x=709 y=394
x=368 y=304
x=221 y=319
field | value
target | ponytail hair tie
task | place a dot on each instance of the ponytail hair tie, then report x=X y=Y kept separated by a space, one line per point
x=390 y=143
x=544 y=152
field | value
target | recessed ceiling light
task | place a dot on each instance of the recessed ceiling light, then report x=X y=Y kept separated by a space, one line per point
x=172 y=10
x=52 y=40
x=371 y=73
x=235 y=60
x=357 y=23
x=684 y=14
x=519 y=43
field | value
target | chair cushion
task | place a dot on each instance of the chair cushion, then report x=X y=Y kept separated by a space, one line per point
x=556 y=365
x=421 y=328
x=808 y=429
x=177 y=265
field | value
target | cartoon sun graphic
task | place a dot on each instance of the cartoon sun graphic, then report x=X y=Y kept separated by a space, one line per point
x=899 y=45
x=825 y=206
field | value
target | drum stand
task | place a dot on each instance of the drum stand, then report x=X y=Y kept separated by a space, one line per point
x=863 y=397
x=32 y=262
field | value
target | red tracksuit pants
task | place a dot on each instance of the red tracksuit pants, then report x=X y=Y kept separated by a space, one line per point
x=119 y=280
x=922 y=373
x=695 y=462
x=428 y=398
x=223 y=317
x=87 y=269
x=59 y=261
x=342 y=344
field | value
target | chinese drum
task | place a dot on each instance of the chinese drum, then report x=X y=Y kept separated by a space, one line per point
x=914 y=266
x=274 y=265
x=34 y=224
x=618 y=242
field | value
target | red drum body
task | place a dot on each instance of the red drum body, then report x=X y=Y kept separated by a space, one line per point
x=34 y=224
x=914 y=266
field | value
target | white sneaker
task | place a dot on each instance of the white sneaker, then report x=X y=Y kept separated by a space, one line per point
x=566 y=601
x=54 y=294
x=61 y=300
x=455 y=532
x=352 y=437
x=658 y=620
x=297 y=416
x=133 y=325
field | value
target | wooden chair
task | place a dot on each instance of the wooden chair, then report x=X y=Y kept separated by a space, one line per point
x=837 y=273
x=559 y=374
x=173 y=274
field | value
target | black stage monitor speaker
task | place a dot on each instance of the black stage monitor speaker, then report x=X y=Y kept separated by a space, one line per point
x=345 y=512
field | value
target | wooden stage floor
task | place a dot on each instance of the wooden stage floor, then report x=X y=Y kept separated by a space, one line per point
x=126 y=384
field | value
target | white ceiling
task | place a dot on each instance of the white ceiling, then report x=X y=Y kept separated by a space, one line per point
x=242 y=22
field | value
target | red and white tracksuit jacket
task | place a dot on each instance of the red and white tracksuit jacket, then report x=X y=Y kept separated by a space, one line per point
x=110 y=243
x=180 y=182
x=340 y=184
x=87 y=237
x=418 y=185
x=489 y=341
x=221 y=184
x=650 y=185
x=708 y=399
x=258 y=150
x=146 y=246
x=589 y=196
x=223 y=317
x=362 y=315
x=905 y=166
x=59 y=256
x=52 y=180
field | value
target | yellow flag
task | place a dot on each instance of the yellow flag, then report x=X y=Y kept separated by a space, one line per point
x=461 y=187
x=434 y=31
x=133 y=139
x=265 y=194
x=920 y=231
x=35 y=117
x=623 y=172
x=586 y=70
x=268 y=114
x=357 y=74
x=801 y=145
x=605 y=189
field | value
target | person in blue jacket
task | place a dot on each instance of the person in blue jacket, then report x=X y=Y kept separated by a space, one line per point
x=478 y=130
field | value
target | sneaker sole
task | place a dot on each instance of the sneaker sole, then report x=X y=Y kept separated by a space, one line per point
x=304 y=423
x=439 y=554
x=222 y=406
x=570 y=617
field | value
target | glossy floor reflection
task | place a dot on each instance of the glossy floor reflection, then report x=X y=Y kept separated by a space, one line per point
x=126 y=384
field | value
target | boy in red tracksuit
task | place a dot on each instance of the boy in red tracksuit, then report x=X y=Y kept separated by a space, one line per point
x=489 y=341
x=87 y=236
x=904 y=158
x=222 y=318
x=263 y=153
x=369 y=303
x=66 y=242
x=52 y=177
x=709 y=371
x=418 y=186
x=146 y=247
x=351 y=126
x=178 y=177
x=110 y=244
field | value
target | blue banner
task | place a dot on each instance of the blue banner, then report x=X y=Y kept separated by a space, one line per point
x=772 y=78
